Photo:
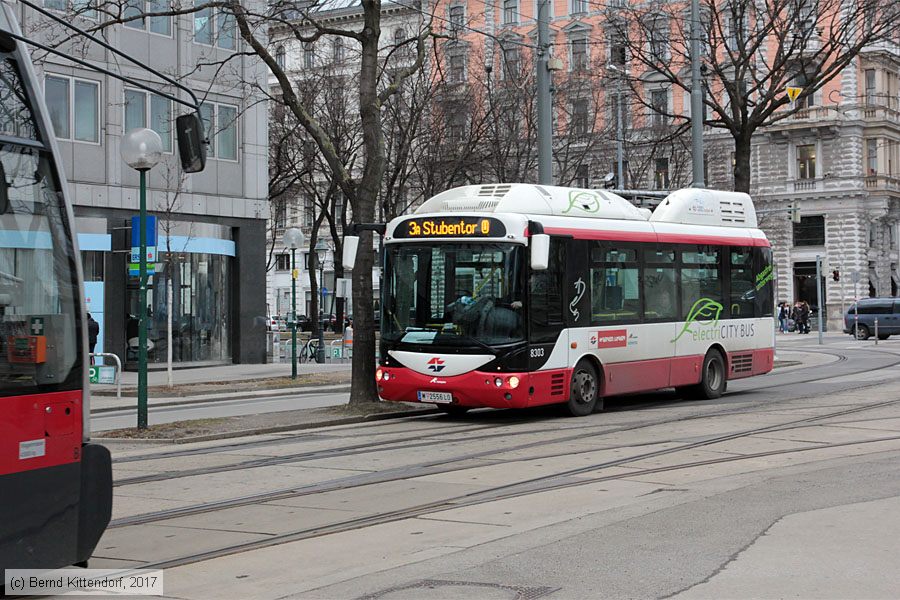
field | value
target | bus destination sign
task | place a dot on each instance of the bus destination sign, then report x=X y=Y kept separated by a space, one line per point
x=450 y=227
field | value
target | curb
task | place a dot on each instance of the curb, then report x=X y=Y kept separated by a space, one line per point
x=208 y=398
x=277 y=429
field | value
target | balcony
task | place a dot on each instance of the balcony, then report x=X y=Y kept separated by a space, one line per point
x=807 y=185
x=890 y=183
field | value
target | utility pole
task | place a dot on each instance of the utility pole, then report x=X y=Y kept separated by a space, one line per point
x=819 y=296
x=544 y=102
x=696 y=98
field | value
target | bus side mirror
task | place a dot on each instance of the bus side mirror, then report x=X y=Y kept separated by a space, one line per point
x=540 y=251
x=191 y=144
x=351 y=243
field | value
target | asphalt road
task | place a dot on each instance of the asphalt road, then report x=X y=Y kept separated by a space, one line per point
x=788 y=486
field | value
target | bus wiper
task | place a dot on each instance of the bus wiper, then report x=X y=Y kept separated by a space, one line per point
x=479 y=343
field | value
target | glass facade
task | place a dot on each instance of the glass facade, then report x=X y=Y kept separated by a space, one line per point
x=201 y=308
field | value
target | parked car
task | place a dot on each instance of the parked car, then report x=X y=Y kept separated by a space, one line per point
x=860 y=318
x=273 y=324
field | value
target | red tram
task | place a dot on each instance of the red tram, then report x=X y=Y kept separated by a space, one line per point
x=55 y=486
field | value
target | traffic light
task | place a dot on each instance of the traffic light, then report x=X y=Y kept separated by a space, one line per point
x=836 y=275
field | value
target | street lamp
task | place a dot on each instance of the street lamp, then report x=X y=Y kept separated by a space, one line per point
x=293 y=239
x=321 y=254
x=142 y=150
x=620 y=130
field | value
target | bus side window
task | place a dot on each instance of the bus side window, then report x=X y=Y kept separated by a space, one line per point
x=545 y=296
x=701 y=282
x=743 y=293
x=764 y=278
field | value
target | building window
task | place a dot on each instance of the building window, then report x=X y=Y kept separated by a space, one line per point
x=161 y=25
x=806 y=161
x=457 y=17
x=155 y=113
x=579 y=7
x=309 y=211
x=659 y=40
x=579 y=125
x=457 y=67
x=810 y=231
x=281 y=215
x=309 y=55
x=659 y=107
x=872 y=156
x=579 y=47
x=803 y=81
x=279 y=57
x=214 y=27
x=870 y=87
x=618 y=50
x=582 y=180
x=283 y=262
x=74 y=106
x=510 y=11
x=82 y=8
x=456 y=126
x=804 y=13
x=873 y=235
x=661 y=174
x=220 y=125
x=737 y=32
x=93 y=265
x=511 y=62
x=337 y=51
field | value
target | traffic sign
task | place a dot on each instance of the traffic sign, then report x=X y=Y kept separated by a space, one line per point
x=102 y=374
x=793 y=92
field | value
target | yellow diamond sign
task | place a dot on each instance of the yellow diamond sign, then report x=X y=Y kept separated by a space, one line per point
x=793 y=92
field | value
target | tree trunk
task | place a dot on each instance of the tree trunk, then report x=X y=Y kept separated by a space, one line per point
x=742 y=151
x=362 y=388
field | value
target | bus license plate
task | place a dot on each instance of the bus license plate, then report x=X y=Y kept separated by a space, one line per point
x=436 y=397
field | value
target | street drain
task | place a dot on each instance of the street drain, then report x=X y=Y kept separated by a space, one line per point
x=437 y=588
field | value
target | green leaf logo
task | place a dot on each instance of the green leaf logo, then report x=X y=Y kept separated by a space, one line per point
x=586 y=201
x=705 y=311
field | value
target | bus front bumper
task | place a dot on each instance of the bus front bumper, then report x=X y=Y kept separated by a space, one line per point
x=472 y=389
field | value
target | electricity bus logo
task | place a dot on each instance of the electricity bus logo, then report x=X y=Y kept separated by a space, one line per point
x=436 y=364
x=704 y=312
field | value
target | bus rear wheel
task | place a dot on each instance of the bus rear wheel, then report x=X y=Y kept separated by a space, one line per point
x=583 y=390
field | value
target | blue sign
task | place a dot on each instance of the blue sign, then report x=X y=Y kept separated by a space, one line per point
x=136 y=231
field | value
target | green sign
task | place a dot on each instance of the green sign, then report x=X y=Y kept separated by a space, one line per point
x=102 y=374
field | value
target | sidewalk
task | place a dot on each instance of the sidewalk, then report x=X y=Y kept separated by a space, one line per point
x=223 y=373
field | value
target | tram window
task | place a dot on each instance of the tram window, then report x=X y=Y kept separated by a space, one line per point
x=615 y=294
x=660 y=294
x=742 y=301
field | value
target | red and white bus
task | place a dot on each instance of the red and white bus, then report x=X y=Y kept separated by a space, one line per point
x=55 y=486
x=520 y=295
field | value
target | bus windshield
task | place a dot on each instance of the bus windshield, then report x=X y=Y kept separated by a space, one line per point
x=454 y=294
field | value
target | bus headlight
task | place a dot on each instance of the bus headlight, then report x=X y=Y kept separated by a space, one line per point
x=378 y=374
x=513 y=382
x=498 y=382
x=387 y=376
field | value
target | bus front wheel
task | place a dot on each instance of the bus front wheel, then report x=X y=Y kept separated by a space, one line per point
x=583 y=390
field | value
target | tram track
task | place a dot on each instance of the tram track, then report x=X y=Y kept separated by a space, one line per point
x=539 y=484
x=439 y=467
x=446 y=435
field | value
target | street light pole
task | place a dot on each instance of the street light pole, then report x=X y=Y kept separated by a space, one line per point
x=544 y=98
x=293 y=239
x=142 y=150
x=321 y=251
x=696 y=99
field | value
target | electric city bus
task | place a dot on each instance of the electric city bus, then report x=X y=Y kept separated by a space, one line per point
x=519 y=295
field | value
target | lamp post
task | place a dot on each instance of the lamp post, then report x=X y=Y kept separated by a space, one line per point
x=142 y=150
x=321 y=254
x=620 y=129
x=293 y=239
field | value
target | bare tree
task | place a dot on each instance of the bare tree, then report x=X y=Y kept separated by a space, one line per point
x=752 y=51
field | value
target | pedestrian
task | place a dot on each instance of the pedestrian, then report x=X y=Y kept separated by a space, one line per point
x=93 y=328
x=783 y=317
x=804 y=316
